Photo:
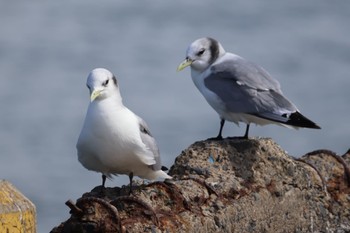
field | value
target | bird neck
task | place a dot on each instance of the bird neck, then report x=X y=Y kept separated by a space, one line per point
x=116 y=98
x=112 y=100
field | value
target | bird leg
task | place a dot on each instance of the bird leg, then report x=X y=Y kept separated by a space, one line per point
x=103 y=188
x=103 y=180
x=222 y=123
x=219 y=137
x=245 y=136
x=246 y=132
x=131 y=175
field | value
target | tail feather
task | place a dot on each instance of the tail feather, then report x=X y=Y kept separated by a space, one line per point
x=298 y=120
x=151 y=174
x=295 y=119
x=160 y=174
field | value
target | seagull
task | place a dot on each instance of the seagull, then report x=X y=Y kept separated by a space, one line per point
x=239 y=90
x=113 y=139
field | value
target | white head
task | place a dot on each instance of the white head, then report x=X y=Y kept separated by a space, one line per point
x=102 y=84
x=202 y=53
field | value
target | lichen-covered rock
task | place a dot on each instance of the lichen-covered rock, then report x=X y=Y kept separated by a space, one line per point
x=233 y=185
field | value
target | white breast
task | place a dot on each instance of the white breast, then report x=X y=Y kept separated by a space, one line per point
x=213 y=100
x=109 y=147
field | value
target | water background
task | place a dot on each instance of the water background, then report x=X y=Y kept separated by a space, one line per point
x=47 y=49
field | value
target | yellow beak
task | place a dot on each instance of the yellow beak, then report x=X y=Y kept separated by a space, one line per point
x=184 y=64
x=95 y=94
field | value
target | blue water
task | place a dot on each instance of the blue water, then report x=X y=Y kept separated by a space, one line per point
x=47 y=48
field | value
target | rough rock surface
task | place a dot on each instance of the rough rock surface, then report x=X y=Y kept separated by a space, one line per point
x=234 y=185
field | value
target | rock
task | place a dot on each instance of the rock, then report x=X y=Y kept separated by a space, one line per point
x=233 y=185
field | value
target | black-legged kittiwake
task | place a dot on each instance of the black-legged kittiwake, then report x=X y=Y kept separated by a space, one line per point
x=239 y=90
x=113 y=139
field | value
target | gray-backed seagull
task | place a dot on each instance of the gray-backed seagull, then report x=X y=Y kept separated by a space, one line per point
x=239 y=90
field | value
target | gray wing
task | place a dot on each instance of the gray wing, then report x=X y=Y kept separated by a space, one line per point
x=150 y=142
x=247 y=88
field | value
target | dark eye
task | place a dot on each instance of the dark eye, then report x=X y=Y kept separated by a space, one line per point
x=105 y=83
x=200 y=52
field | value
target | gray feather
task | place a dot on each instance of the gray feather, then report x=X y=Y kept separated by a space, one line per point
x=247 y=88
x=150 y=142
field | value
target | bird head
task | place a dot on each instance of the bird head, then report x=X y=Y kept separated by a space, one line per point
x=201 y=54
x=102 y=84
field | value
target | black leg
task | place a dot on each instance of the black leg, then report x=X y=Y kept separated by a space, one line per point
x=246 y=132
x=219 y=137
x=103 y=180
x=102 y=189
x=222 y=123
x=131 y=175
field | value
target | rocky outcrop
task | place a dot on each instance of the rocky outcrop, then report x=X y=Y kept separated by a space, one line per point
x=233 y=185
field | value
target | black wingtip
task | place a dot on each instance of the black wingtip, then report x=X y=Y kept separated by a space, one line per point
x=297 y=119
x=163 y=168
